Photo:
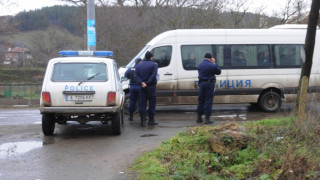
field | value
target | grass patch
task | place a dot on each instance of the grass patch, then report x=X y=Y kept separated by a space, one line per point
x=281 y=121
x=277 y=149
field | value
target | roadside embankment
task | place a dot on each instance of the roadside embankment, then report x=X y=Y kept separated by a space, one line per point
x=281 y=148
x=19 y=102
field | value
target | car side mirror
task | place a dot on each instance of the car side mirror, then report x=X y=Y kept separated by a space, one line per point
x=124 y=79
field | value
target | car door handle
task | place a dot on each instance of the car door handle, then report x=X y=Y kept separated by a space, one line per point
x=168 y=74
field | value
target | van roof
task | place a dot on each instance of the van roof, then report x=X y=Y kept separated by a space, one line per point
x=291 y=26
x=224 y=32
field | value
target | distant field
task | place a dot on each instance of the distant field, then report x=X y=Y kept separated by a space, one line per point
x=26 y=38
x=21 y=75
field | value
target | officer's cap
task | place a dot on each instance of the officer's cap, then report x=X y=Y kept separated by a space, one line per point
x=208 y=56
x=138 y=60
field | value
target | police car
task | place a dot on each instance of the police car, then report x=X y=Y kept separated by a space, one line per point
x=83 y=86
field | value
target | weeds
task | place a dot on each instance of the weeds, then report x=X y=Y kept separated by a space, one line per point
x=281 y=148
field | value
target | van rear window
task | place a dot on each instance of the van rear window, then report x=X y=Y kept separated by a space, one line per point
x=73 y=72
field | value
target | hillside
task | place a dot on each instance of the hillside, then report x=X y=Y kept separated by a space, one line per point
x=61 y=16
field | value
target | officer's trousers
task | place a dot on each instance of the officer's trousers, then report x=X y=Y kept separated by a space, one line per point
x=205 y=99
x=148 y=94
x=134 y=97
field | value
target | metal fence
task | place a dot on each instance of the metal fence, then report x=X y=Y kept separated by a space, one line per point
x=19 y=94
x=28 y=91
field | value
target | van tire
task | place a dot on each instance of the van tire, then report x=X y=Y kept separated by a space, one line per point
x=48 y=124
x=117 y=119
x=126 y=104
x=270 y=101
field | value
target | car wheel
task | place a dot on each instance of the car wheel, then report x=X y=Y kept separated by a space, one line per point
x=116 y=122
x=126 y=105
x=270 y=101
x=48 y=124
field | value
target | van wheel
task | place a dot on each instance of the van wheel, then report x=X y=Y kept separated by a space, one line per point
x=48 y=124
x=270 y=101
x=126 y=104
x=116 y=122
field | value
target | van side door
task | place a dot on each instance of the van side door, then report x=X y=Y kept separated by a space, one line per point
x=164 y=57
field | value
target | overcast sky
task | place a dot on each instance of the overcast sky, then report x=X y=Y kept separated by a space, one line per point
x=16 y=6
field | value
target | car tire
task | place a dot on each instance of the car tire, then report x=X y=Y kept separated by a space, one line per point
x=126 y=104
x=48 y=124
x=270 y=101
x=117 y=119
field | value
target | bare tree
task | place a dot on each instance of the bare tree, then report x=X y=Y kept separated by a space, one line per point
x=46 y=44
x=123 y=30
x=238 y=10
x=212 y=13
x=293 y=8
x=6 y=27
x=76 y=2
x=174 y=14
x=161 y=3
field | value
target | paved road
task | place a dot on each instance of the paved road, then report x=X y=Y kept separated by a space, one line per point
x=90 y=151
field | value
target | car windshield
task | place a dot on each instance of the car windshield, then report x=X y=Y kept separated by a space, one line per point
x=79 y=72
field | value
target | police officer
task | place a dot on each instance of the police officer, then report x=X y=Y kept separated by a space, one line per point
x=134 y=89
x=146 y=75
x=207 y=70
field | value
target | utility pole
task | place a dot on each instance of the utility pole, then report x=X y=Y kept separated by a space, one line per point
x=301 y=100
x=91 y=26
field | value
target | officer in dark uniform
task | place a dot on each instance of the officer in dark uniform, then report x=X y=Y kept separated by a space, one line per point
x=146 y=75
x=134 y=89
x=207 y=70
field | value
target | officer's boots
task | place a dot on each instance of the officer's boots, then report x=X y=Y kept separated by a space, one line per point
x=131 y=117
x=143 y=121
x=152 y=122
x=208 y=121
x=199 y=119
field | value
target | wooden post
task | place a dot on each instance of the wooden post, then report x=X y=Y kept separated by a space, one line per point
x=309 y=49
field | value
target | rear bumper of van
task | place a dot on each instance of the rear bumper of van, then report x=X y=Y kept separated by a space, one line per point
x=79 y=110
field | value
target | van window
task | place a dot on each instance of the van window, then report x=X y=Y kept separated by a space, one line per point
x=193 y=55
x=246 y=56
x=287 y=56
x=73 y=72
x=162 y=55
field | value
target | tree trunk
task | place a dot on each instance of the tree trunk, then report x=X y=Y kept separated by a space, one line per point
x=300 y=107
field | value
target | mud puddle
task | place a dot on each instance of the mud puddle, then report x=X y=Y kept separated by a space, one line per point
x=18 y=148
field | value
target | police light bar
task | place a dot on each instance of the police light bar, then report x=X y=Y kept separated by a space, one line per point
x=86 y=53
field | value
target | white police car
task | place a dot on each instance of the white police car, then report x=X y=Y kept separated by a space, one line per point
x=83 y=87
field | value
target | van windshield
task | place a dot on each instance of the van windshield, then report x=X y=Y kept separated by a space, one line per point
x=78 y=72
x=142 y=52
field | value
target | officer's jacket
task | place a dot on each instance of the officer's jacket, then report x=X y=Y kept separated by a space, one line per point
x=207 y=70
x=130 y=75
x=146 y=71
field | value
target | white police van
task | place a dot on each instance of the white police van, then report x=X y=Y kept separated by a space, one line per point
x=84 y=86
x=259 y=66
